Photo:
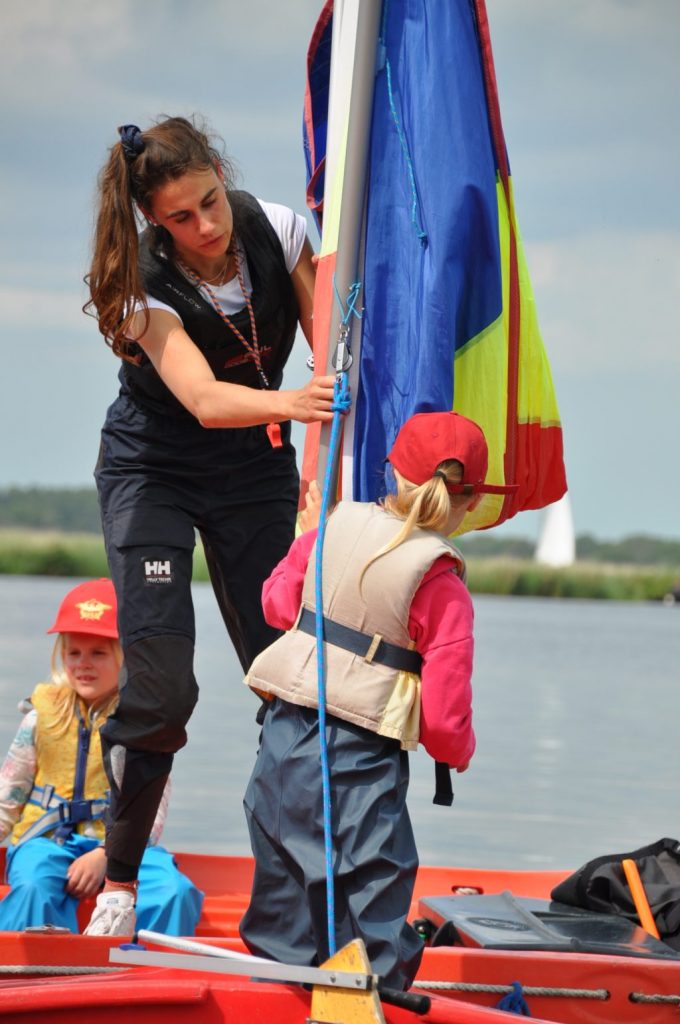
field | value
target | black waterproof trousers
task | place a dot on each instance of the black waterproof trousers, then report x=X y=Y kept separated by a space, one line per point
x=375 y=857
x=159 y=479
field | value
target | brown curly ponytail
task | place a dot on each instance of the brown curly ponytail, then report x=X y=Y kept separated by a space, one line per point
x=170 y=148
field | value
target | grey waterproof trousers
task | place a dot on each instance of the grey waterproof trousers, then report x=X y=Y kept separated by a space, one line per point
x=375 y=857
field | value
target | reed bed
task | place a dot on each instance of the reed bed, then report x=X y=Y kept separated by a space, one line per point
x=48 y=553
x=594 y=580
x=51 y=553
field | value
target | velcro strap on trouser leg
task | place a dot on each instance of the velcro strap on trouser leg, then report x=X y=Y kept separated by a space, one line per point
x=139 y=778
x=158 y=694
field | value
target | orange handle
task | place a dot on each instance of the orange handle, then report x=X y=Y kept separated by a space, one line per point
x=639 y=895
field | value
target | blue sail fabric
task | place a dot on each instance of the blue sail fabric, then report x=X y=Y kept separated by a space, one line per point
x=432 y=171
x=449 y=319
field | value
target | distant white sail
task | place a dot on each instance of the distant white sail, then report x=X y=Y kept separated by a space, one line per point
x=557 y=542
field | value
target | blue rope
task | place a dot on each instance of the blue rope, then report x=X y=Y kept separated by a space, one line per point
x=514 y=1002
x=415 y=217
x=354 y=290
x=341 y=403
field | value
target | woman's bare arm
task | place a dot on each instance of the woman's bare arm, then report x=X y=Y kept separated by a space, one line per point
x=185 y=371
x=303 y=277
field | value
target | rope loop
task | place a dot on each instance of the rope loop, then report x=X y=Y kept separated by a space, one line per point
x=341 y=399
x=514 y=1002
x=354 y=291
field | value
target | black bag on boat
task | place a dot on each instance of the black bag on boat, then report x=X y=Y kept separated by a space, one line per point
x=601 y=885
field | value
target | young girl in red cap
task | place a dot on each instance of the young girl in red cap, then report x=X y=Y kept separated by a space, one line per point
x=54 y=792
x=398 y=647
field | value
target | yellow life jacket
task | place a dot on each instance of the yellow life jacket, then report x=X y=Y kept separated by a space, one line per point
x=70 y=791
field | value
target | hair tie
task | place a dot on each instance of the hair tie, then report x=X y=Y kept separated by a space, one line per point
x=442 y=474
x=131 y=140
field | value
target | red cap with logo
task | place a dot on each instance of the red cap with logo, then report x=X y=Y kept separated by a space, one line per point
x=430 y=438
x=89 y=608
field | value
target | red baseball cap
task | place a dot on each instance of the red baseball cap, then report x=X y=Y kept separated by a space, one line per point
x=430 y=438
x=89 y=608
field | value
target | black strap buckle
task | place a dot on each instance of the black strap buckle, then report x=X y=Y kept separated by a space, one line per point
x=74 y=811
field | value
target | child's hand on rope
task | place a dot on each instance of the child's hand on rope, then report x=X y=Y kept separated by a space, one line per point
x=309 y=517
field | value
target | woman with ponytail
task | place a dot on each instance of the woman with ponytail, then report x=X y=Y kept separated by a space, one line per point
x=398 y=652
x=201 y=308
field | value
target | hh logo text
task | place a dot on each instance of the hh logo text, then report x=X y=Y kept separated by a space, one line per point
x=157 y=571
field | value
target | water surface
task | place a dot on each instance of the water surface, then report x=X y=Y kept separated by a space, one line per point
x=576 y=712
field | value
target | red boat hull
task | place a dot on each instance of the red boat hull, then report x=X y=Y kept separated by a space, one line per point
x=582 y=988
x=172 y=997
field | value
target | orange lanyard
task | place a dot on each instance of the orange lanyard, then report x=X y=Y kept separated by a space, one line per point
x=254 y=348
x=273 y=429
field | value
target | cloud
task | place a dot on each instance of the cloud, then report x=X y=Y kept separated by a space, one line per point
x=588 y=98
x=56 y=51
x=56 y=32
x=44 y=309
x=596 y=19
x=609 y=300
x=73 y=70
x=95 y=52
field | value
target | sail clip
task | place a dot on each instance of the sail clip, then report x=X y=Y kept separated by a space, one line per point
x=342 y=360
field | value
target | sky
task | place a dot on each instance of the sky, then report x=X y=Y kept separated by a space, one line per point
x=588 y=92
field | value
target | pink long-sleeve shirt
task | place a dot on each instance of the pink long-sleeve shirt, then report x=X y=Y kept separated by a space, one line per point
x=440 y=624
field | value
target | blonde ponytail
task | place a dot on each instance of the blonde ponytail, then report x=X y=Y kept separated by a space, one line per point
x=422 y=506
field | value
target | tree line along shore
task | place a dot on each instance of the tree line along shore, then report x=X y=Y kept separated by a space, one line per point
x=56 y=532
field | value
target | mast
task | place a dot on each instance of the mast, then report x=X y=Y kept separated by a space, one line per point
x=352 y=165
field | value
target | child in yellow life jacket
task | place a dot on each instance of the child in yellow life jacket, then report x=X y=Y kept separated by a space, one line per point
x=54 y=791
x=398 y=651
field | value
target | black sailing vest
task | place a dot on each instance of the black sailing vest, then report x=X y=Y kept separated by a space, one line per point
x=274 y=306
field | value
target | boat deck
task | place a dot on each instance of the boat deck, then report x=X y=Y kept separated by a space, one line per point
x=568 y=988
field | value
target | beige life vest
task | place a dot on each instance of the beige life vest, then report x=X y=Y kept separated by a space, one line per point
x=358 y=689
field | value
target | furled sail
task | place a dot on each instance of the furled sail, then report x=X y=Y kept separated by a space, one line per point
x=557 y=541
x=448 y=319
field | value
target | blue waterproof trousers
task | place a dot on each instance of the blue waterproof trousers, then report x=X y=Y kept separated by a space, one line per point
x=375 y=858
x=167 y=900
